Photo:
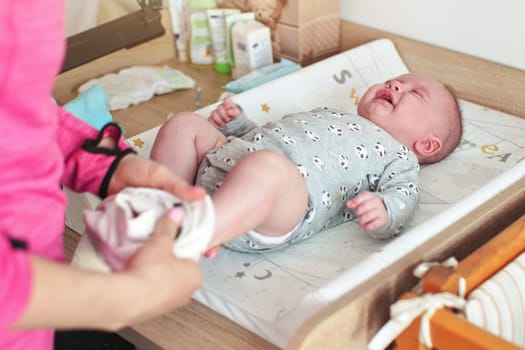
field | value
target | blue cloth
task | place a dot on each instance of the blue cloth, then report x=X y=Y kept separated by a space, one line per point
x=91 y=106
x=262 y=75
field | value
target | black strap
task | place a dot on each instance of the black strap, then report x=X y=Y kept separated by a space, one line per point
x=18 y=244
x=91 y=146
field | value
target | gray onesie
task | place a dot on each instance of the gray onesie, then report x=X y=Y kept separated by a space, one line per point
x=339 y=155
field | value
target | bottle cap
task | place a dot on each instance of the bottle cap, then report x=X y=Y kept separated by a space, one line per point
x=222 y=67
x=202 y=3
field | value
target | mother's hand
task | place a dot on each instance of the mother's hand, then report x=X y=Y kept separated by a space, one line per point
x=137 y=171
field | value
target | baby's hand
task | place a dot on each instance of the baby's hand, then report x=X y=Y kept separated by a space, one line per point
x=224 y=113
x=370 y=210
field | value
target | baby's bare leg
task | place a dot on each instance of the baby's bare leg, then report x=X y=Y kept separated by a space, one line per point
x=264 y=192
x=183 y=141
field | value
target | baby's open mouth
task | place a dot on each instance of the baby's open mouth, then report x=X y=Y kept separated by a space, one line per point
x=385 y=95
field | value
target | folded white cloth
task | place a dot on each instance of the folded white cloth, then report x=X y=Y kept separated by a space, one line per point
x=121 y=224
x=133 y=85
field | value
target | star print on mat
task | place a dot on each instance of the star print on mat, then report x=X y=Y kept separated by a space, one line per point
x=138 y=142
x=354 y=96
x=265 y=108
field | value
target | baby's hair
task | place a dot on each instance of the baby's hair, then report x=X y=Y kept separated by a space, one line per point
x=456 y=125
x=452 y=112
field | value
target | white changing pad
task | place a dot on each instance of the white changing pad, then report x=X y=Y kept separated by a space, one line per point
x=271 y=294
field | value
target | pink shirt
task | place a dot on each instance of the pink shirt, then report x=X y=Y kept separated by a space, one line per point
x=40 y=146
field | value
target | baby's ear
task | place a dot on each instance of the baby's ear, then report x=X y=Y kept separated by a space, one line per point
x=428 y=146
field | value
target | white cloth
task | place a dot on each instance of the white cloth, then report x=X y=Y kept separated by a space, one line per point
x=133 y=85
x=121 y=224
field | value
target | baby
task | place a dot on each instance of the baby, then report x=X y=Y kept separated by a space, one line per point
x=280 y=183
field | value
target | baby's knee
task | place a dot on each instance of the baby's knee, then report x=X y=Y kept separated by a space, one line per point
x=270 y=160
x=265 y=157
x=182 y=120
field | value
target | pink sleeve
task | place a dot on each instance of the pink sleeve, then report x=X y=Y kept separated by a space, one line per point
x=87 y=167
x=42 y=147
x=15 y=287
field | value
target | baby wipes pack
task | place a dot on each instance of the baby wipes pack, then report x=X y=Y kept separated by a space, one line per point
x=252 y=47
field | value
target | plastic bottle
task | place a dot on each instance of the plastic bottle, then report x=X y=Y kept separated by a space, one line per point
x=200 y=39
x=219 y=36
x=179 y=21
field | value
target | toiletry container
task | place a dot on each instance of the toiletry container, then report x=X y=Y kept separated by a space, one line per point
x=252 y=47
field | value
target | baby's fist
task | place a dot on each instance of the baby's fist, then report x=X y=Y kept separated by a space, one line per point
x=224 y=113
x=370 y=210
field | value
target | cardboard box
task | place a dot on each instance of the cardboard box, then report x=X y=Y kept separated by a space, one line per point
x=309 y=30
x=300 y=12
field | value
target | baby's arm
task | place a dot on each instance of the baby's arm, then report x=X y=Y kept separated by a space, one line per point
x=229 y=118
x=385 y=211
x=224 y=113
x=370 y=210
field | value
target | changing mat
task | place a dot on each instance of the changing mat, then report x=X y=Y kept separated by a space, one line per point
x=272 y=293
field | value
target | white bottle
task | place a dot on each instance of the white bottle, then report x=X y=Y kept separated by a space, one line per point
x=252 y=47
x=179 y=21
x=200 y=41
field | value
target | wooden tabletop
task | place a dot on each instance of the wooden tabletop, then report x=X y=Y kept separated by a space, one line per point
x=149 y=114
x=146 y=115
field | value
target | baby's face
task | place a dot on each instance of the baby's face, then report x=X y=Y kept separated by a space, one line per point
x=408 y=107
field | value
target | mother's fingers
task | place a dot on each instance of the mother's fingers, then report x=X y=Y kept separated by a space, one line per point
x=162 y=177
x=170 y=224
